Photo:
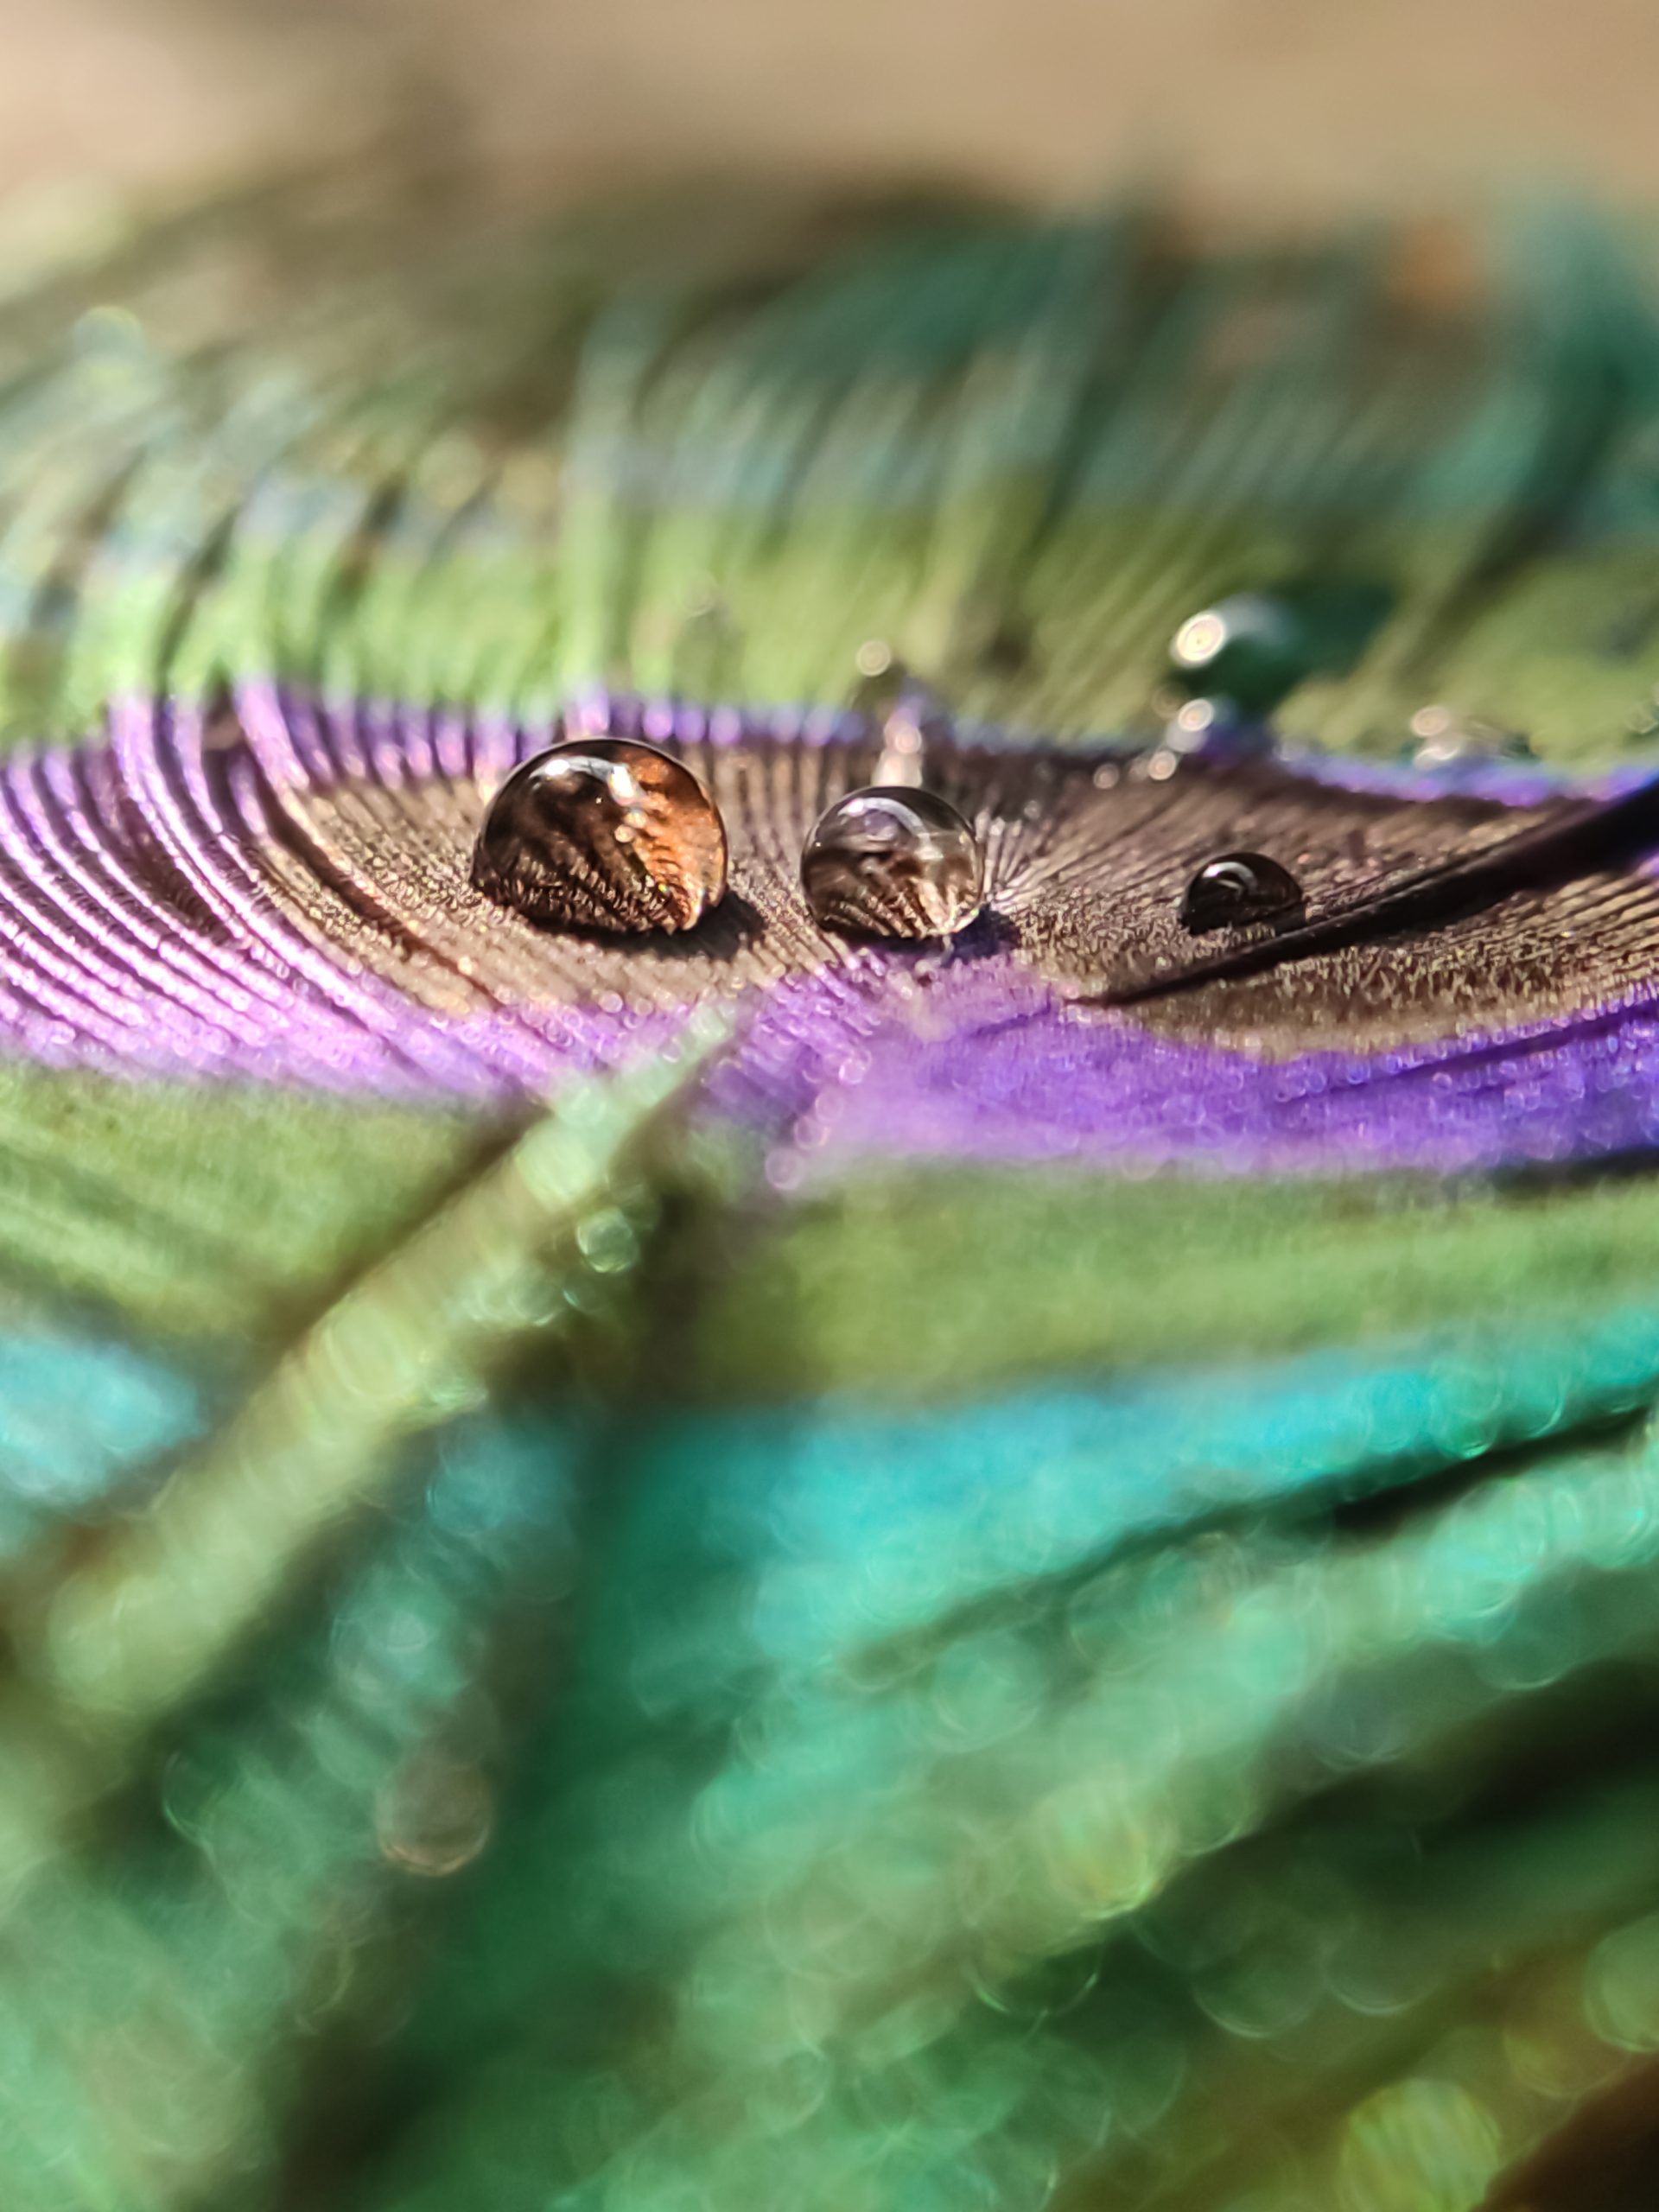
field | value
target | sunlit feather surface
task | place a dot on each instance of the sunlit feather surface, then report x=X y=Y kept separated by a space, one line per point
x=679 y=1577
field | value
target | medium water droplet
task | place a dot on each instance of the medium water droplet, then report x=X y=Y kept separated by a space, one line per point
x=1236 y=888
x=1254 y=646
x=601 y=833
x=892 y=862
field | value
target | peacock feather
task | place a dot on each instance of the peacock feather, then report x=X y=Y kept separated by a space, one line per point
x=749 y=1571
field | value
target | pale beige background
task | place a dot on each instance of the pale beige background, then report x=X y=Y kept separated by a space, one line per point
x=1266 y=107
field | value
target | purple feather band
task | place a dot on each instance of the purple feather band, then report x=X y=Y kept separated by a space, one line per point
x=208 y=898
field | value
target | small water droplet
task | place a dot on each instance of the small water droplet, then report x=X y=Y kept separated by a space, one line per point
x=1442 y=738
x=893 y=862
x=1214 y=728
x=1237 y=887
x=783 y=1169
x=907 y=716
x=608 y=1242
x=602 y=833
x=435 y=1815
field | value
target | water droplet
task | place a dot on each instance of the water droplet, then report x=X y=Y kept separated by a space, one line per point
x=1444 y=739
x=602 y=833
x=905 y=711
x=1422 y=2144
x=1039 y=1990
x=893 y=862
x=608 y=1242
x=1252 y=647
x=1236 y=888
x=434 y=1815
x=1214 y=729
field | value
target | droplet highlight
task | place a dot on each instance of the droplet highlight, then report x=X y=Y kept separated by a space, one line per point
x=1239 y=888
x=603 y=833
x=893 y=862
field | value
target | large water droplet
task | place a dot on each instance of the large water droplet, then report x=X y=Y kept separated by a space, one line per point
x=601 y=833
x=892 y=862
x=1236 y=888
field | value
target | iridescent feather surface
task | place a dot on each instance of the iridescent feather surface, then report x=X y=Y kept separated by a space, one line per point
x=770 y=1565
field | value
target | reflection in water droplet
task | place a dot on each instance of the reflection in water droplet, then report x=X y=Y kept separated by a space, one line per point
x=603 y=833
x=434 y=1815
x=891 y=862
x=1237 y=887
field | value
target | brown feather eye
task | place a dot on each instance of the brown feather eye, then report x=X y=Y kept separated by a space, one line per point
x=603 y=833
x=1424 y=915
x=892 y=861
